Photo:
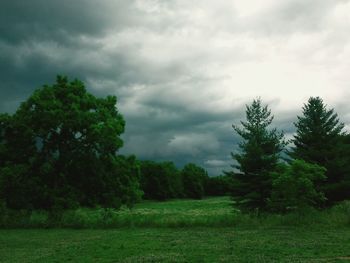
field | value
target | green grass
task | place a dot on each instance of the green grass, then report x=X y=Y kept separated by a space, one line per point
x=176 y=245
x=216 y=211
x=208 y=230
x=174 y=213
x=210 y=212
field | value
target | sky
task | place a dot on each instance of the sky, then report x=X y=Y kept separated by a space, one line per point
x=182 y=70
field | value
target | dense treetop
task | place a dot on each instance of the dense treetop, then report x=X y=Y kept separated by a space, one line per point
x=59 y=149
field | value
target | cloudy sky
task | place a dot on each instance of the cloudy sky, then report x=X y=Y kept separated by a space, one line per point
x=182 y=69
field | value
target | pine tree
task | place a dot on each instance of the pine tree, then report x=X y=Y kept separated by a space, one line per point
x=319 y=139
x=260 y=153
x=317 y=131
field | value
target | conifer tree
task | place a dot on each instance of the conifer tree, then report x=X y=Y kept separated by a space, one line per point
x=319 y=139
x=259 y=156
x=317 y=131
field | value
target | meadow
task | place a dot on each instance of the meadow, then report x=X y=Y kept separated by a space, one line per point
x=208 y=230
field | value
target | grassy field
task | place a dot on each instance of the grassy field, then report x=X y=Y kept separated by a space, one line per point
x=176 y=245
x=176 y=213
x=187 y=231
x=210 y=212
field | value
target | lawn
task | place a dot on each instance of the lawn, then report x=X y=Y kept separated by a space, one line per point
x=201 y=239
x=176 y=245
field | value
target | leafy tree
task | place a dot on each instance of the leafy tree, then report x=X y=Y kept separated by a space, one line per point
x=60 y=149
x=260 y=153
x=294 y=186
x=218 y=185
x=160 y=181
x=319 y=139
x=194 y=178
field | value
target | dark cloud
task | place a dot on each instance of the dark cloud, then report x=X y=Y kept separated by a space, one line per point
x=61 y=20
x=182 y=70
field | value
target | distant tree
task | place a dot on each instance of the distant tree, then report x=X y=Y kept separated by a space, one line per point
x=320 y=140
x=160 y=181
x=60 y=148
x=294 y=186
x=260 y=153
x=194 y=178
x=218 y=185
x=127 y=184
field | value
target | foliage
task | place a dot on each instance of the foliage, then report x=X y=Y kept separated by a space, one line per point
x=126 y=185
x=294 y=186
x=194 y=178
x=319 y=139
x=160 y=181
x=337 y=185
x=218 y=185
x=59 y=150
x=317 y=130
x=260 y=152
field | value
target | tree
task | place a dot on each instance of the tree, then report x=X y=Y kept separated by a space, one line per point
x=260 y=153
x=337 y=186
x=294 y=186
x=317 y=131
x=61 y=150
x=218 y=185
x=193 y=178
x=160 y=181
x=319 y=139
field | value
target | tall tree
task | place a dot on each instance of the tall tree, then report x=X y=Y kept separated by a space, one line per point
x=260 y=153
x=319 y=139
x=60 y=148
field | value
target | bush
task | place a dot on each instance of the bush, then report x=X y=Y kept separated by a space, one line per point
x=294 y=186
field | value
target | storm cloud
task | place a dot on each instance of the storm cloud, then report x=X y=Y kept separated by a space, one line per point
x=182 y=70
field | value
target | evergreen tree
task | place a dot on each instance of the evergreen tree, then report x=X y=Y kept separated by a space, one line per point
x=317 y=132
x=319 y=139
x=260 y=152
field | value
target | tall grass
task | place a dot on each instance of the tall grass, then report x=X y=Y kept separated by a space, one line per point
x=210 y=212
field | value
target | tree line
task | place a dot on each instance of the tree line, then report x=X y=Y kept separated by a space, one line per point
x=59 y=150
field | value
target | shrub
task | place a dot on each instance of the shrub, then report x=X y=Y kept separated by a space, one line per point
x=294 y=186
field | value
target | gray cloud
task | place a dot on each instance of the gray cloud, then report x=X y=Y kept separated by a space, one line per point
x=182 y=70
